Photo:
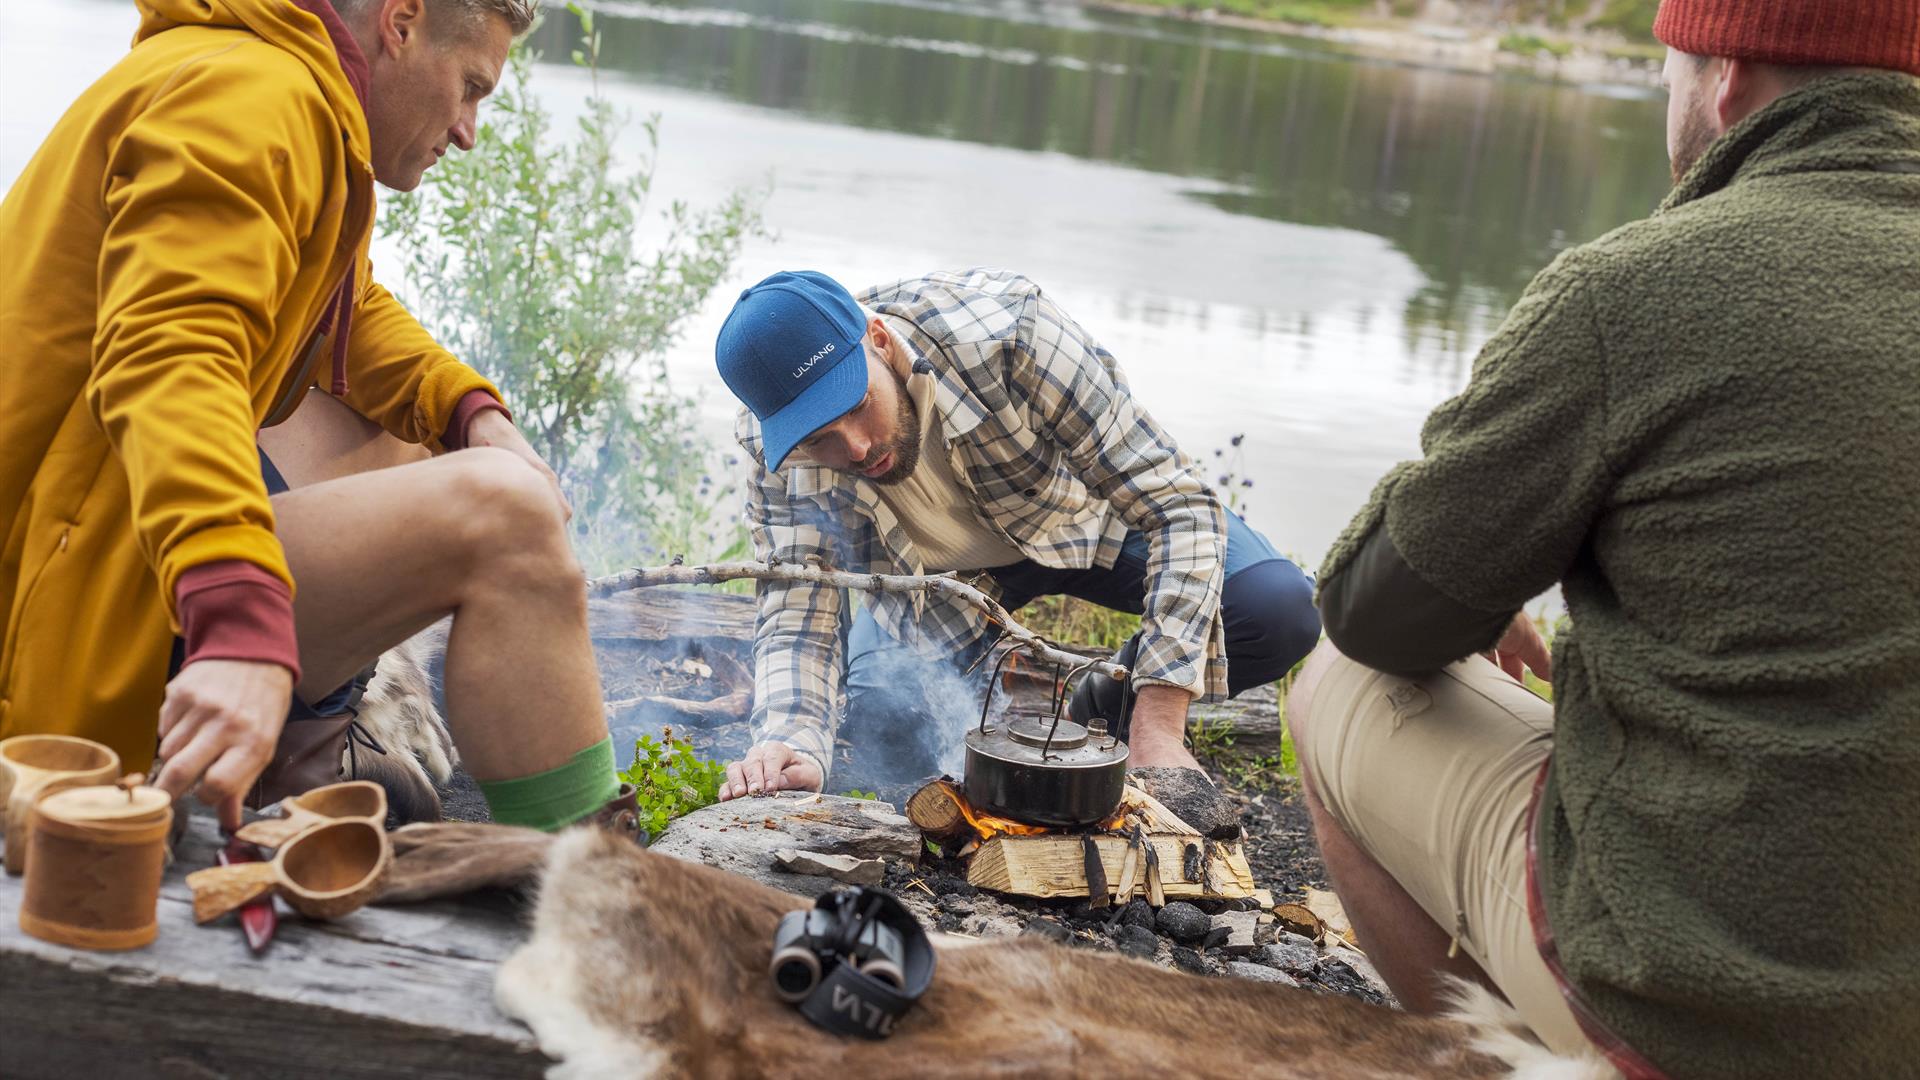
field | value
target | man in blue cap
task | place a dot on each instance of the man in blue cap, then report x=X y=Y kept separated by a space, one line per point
x=963 y=422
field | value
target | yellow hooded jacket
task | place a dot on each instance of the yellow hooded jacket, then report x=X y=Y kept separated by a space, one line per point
x=175 y=243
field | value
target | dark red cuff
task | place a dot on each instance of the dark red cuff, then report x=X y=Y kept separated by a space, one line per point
x=234 y=610
x=472 y=404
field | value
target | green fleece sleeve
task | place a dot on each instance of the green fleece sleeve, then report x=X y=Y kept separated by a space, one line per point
x=1515 y=468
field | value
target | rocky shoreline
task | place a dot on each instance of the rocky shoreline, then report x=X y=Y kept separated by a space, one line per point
x=1442 y=46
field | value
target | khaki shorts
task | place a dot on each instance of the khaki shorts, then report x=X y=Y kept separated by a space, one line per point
x=1433 y=777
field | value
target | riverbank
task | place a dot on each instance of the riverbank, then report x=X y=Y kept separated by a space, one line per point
x=1450 y=43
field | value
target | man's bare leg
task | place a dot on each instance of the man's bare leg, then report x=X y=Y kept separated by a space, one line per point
x=1405 y=945
x=476 y=534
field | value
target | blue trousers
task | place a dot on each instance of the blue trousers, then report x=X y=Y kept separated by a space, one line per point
x=911 y=709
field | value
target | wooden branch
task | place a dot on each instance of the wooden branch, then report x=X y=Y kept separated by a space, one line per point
x=938 y=584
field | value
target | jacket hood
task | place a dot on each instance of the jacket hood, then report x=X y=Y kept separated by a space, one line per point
x=278 y=23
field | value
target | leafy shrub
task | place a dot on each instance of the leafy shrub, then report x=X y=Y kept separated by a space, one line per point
x=672 y=780
x=523 y=257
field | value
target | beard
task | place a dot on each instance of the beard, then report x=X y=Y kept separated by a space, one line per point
x=905 y=444
x=1691 y=142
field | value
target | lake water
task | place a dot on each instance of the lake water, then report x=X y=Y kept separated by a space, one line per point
x=1274 y=239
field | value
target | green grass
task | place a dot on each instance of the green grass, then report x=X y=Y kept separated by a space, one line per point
x=1533 y=45
x=1070 y=619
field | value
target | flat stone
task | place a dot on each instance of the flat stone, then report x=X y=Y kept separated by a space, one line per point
x=1240 y=927
x=746 y=835
x=1192 y=798
x=1287 y=955
x=1136 y=941
x=838 y=867
x=1182 y=921
x=1049 y=930
x=959 y=905
x=1241 y=969
x=1363 y=968
x=1190 y=961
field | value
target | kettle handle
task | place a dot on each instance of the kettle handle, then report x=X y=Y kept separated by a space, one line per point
x=986 y=701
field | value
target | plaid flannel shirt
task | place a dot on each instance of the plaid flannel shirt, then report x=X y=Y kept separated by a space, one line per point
x=1060 y=460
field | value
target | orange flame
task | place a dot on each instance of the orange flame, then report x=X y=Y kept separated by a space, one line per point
x=989 y=825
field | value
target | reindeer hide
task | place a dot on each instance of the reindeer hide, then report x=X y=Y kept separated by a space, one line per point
x=641 y=964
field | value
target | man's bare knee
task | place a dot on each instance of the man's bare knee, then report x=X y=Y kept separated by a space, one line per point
x=505 y=513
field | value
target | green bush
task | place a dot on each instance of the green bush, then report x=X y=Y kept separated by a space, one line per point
x=671 y=779
x=523 y=257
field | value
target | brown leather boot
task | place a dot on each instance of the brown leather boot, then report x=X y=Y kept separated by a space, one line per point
x=621 y=815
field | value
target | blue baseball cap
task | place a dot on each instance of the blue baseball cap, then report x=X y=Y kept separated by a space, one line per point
x=791 y=351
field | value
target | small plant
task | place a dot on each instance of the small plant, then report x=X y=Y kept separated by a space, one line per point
x=671 y=779
x=856 y=793
x=1211 y=737
x=1232 y=482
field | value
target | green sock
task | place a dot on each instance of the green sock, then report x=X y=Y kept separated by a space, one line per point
x=558 y=797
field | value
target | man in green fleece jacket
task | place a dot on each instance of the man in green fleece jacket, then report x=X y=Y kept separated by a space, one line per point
x=1705 y=428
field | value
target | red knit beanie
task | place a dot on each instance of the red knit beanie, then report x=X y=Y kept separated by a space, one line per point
x=1864 y=33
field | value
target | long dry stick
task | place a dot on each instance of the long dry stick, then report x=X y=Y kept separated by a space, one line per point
x=940 y=584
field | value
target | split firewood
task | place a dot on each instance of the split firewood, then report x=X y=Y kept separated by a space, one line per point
x=936 y=811
x=1152 y=814
x=940 y=584
x=1096 y=873
x=1210 y=873
x=1129 y=873
x=1156 y=892
x=1332 y=916
x=1055 y=865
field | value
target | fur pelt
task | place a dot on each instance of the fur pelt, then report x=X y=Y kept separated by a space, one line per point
x=400 y=713
x=644 y=965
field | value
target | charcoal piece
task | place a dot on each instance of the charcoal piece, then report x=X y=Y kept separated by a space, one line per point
x=949 y=884
x=1048 y=929
x=1189 y=961
x=1183 y=922
x=959 y=905
x=1192 y=798
x=949 y=923
x=1216 y=937
x=1136 y=941
x=1191 y=868
x=1137 y=913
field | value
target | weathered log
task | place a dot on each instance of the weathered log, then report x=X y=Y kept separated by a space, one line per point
x=935 y=810
x=1055 y=865
x=945 y=585
x=1095 y=871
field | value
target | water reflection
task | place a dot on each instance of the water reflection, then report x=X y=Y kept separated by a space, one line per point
x=1478 y=180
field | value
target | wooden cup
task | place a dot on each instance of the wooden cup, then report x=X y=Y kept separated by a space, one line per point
x=351 y=799
x=325 y=872
x=94 y=879
x=34 y=766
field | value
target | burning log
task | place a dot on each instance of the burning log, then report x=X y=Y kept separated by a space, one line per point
x=1056 y=865
x=941 y=584
x=939 y=810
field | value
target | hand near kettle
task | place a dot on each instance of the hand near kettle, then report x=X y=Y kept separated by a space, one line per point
x=771 y=767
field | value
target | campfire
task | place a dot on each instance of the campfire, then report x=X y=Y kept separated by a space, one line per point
x=1142 y=848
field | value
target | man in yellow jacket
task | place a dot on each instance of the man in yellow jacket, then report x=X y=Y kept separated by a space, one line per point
x=188 y=258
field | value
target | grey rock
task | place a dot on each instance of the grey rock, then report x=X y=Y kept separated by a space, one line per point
x=1049 y=930
x=959 y=905
x=1259 y=973
x=1136 y=941
x=838 y=867
x=1183 y=922
x=1192 y=798
x=1190 y=961
x=1363 y=968
x=746 y=835
x=1240 y=927
x=1288 y=956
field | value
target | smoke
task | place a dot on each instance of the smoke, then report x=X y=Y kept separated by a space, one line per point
x=908 y=714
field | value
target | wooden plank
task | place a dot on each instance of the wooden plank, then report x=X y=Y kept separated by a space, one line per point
x=382 y=992
x=1044 y=866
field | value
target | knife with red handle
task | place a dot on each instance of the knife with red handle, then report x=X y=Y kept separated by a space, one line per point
x=257 y=917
